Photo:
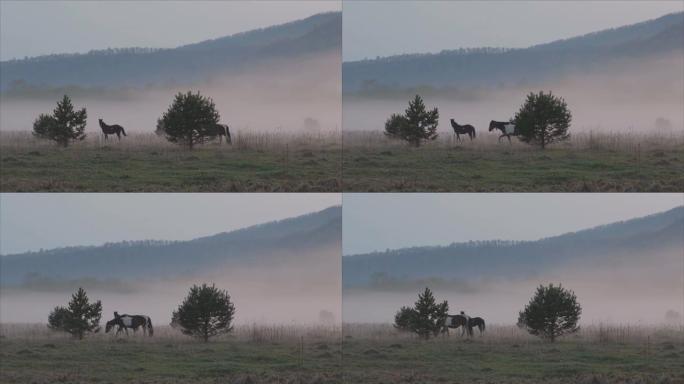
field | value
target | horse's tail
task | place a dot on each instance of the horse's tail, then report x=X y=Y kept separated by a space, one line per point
x=122 y=131
x=228 y=139
x=149 y=326
x=483 y=325
x=474 y=132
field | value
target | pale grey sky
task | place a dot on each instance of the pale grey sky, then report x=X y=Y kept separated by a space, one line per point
x=383 y=28
x=32 y=28
x=47 y=220
x=380 y=221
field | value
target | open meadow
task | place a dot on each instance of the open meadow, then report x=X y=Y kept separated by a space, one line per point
x=250 y=354
x=264 y=162
x=377 y=353
x=588 y=162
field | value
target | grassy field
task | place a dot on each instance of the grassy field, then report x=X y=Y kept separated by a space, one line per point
x=253 y=354
x=147 y=163
x=587 y=163
x=359 y=353
x=597 y=355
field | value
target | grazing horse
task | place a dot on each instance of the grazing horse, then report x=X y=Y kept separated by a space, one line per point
x=477 y=322
x=223 y=130
x=455 y=321
x=507 y=129
x=463 y=130
x=130 y=321
x=115 y=129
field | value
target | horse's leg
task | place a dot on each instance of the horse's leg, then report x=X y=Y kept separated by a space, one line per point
x=118 y=135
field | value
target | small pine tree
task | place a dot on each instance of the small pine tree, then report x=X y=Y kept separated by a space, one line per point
x=551 y=313
x=206 y=312
x=64 y=125
x=416 y=125
x=543 y=119
x=79 y=318
x=404 y=318
x=191 y=119
x=426 y=318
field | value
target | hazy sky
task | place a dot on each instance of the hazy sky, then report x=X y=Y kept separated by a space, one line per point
x=383 y=28
x=380 y=221
x=33 y=221
x=31 y=28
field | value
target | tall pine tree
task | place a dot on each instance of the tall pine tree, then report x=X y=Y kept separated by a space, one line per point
x=79 y=317
x=64 y=125
x=206 y=312
x=543 y=119
x=416 y=125
x=426 y=318
x=551 y=313
x=191 y=119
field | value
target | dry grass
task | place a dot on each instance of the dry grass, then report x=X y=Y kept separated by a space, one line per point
x=628 y=141
x=598 y=354
x=241 y=140
x=250 y=354
x=587 y=162
x=253 y=333
x=496 y=333
x=255 y=162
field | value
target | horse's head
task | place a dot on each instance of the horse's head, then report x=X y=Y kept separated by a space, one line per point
x=109 y=325
x=492 y=125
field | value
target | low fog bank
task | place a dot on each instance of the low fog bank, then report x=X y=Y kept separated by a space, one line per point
x=276 y=97
x=620 y=98
x=292 y=293
x=631 y=291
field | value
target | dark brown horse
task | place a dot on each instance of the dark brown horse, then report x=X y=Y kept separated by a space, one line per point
x=477 y=322
x=112 y=130
x=463 y=130
x=222 y=130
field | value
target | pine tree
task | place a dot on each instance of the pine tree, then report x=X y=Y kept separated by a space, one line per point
x=416 y=125
x=79 y=318
x=543 y=119
x=191 y=119
x=64 y=125
x=206 y=312
x=551 y=313
x=426 y=318
x=404 y=319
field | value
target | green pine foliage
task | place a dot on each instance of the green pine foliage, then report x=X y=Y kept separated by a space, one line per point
x=543 y=119
x=426 y=318
x=206 y=312
x=190 y=120
x=78 y=318
x=64 y=125
x=551 y=313
x=416 y=125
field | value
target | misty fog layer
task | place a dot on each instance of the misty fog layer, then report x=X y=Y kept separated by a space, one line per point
x=274 y=97
x=280 y=294
x=621 y=97
x=634 y=291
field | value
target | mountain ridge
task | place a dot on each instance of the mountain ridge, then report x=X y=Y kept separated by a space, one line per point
x=135 y=67
x=496 y=67
x=293 y=240
x=621 y=240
